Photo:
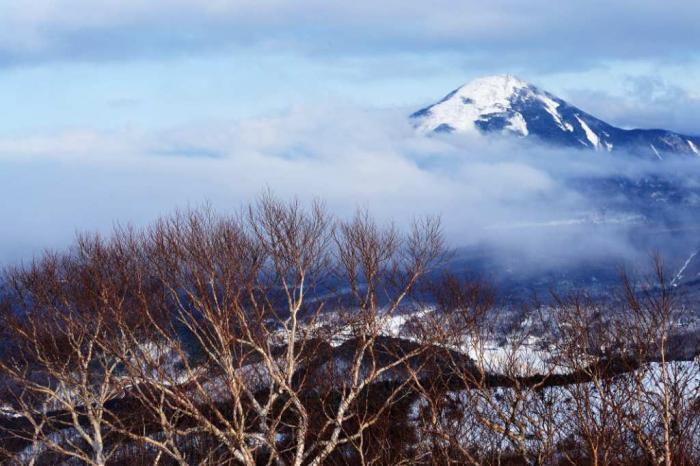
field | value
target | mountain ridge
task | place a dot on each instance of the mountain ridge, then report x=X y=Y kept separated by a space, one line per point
x=508 y=104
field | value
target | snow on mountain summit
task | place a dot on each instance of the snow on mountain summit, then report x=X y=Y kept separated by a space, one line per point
x=462 y=108
x=507 y=104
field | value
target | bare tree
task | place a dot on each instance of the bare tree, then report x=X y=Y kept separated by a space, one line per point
x=587 y=343
x=488 y=403
x=632 y=397
x=660 y=390
x=249 y=361
x=58 y=310
x=282 y=336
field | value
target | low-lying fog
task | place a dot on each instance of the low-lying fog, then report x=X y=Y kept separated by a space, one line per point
x=506 y=198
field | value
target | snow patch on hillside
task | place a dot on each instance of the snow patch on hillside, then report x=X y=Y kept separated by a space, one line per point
x=590 y=134
x=679 y=275
x=518 y=124
x=551 y=107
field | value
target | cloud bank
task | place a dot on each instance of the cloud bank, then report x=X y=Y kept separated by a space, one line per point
x=648 y=102
x=538 y=35
x=503 y=195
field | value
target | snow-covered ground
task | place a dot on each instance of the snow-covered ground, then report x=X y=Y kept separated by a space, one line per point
x=552 y=411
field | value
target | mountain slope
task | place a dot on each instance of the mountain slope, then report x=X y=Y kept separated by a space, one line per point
x=511 y=105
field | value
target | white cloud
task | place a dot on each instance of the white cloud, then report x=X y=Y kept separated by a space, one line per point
x=647 y=102
x=543 y=35
x=53 y=185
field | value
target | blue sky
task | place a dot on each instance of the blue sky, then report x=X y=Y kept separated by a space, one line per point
x=156 y=63
x=157 y=93
x=123 y=110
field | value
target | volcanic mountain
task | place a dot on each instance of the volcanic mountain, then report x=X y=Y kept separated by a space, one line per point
x=506 y=104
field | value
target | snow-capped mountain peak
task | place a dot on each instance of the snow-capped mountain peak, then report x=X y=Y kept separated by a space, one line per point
x=466 y=107
x=507 y=104
x=492 y=94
